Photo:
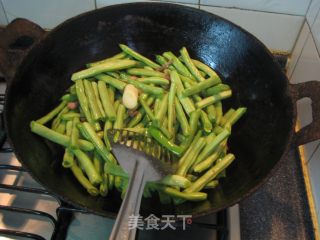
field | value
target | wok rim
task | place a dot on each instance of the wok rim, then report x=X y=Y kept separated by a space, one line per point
x=38 y=44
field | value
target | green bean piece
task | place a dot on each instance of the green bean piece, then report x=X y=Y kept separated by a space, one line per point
x=194 y=120
x=206 y=124
x=211 y=112
x=219 y=112
x=159 y=137
x=93 y=105
x=163 y=130
x=175 y=181
x=119 y=123
x=74 y=142
x=77 y=172
x=106 y=102
x=52 y=114
x=97 y=96
x=147 y=88
x=163 y=62
x=56 y=137
x=104 y=185
x=113 y=74
x=216 y=89
x=213 y=99
x=69 y=97
x=110 y=182
x=211 y=147
x=154 y=80
x=136 y=119
x=186 y=102
x=177 y=64
x=206 y=69
x=226 y=116
x=104 y=67
x=69 y=116
x=57 y=119
x=98 y=163
x=235 y=116
x=211 y=185
x=146 y=108
x=111 y=91
x=197 y=88
x=61 y=128
x=207 y=163
x=182 y=119
x=185 y=80
x=218 y=129
x=87 y=130
x=83 y=101
x=160 y=114
x=191 y=177
x=68 y=157
x=117 y=183
x=190 y=147
x=87 y=165
x=181 y=138
x=116 y=105
x=145 y=72
x=210 y=174
x=190 y=196
x=171 y=108
x=120 y=55
x=138 y=56
x=116 y=83
x=191 y=67
x=189 y=161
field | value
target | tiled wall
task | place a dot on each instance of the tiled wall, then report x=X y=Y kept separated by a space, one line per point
x=305 y=66
x=275 y=22
x=280 y=24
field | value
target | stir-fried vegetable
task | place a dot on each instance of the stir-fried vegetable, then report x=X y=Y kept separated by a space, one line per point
x=176 y=100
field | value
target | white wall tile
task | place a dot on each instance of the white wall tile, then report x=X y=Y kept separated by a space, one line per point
x=298 y=47
x=316 y=31
x=3 y=18
x=181 y=1
x=46 y=13
x=308 y=65
x=295 y=7
x=313 y=11
x=314 y=169
x=276 y=31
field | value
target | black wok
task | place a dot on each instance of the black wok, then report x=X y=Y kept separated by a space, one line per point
x=260 y=140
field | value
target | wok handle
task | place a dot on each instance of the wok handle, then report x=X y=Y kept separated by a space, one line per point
x=130 y=207
x=16 y=40
x=310 y=90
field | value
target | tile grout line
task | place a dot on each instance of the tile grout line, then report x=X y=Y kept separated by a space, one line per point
x=5 y=13
x=303 y=46
x=95 y=4
x=313 y=153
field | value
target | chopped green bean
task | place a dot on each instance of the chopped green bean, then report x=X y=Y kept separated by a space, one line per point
x=213 y=99
x=182 y=119
x=154 y=80
x=138 y=56
x=160 y=114
x=97 y=96
x=206 y=124
x=77 y=172
x=171 y=108
x=190 y=196
x=147 y=88
x=120 y=55
x=146 y=108
x=52 y=114
x=106 y=101
x=69 y=97
x=219 y=113
x=226 y=116
x=210 y=174
x=58 y=138
x=216 y=89
x=74 y=142
x=197 y=88
x=145 y=72
x=206 y=69
x=192 y=68
x=104 y=67
x=69 y=116
x=177 y=64
x=116 y=83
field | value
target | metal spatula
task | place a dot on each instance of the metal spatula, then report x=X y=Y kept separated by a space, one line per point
x=144 y=160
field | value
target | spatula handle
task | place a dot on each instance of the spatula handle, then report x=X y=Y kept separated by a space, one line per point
x=130 y=206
